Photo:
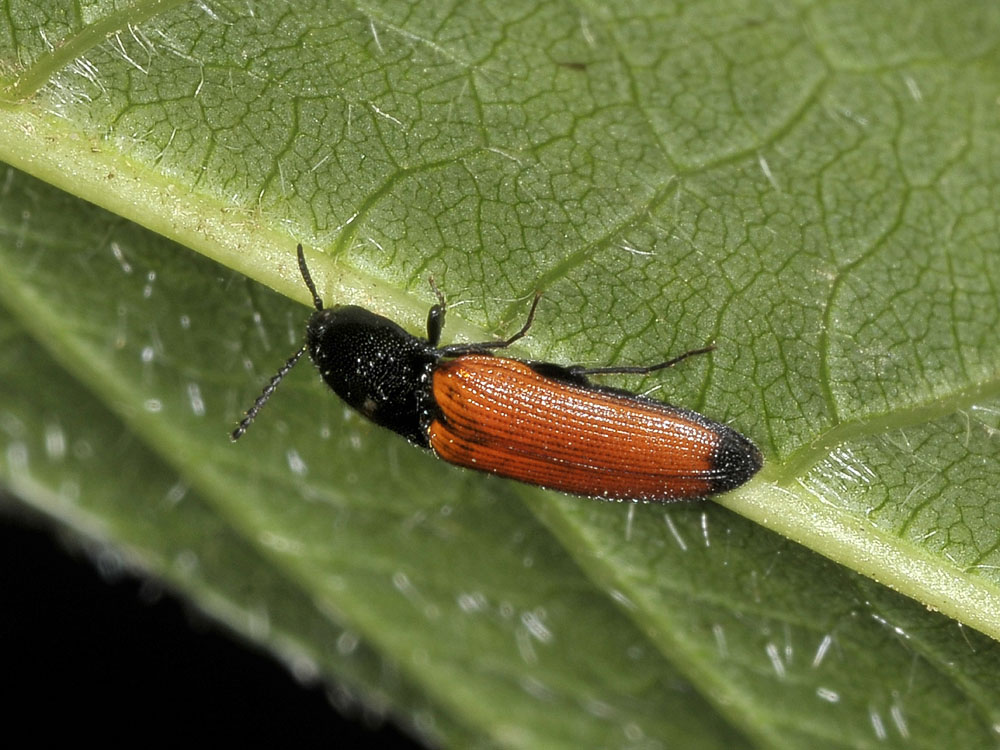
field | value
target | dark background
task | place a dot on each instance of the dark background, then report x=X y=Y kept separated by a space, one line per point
x=85 y=655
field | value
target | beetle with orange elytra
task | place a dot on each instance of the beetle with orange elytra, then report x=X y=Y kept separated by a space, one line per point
x=540 y=423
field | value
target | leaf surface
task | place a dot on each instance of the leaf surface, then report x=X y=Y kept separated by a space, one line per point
x=811 y=186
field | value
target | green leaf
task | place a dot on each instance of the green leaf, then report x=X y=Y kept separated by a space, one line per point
x=811 y=186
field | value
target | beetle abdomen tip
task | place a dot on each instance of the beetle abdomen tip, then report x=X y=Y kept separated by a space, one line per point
x=736 y=460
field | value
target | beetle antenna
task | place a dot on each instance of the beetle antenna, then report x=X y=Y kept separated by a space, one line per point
x=269 y=389
x=272 y=386
x=317 y=301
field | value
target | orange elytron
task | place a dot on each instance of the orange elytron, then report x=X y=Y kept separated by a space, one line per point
x=502 y=416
